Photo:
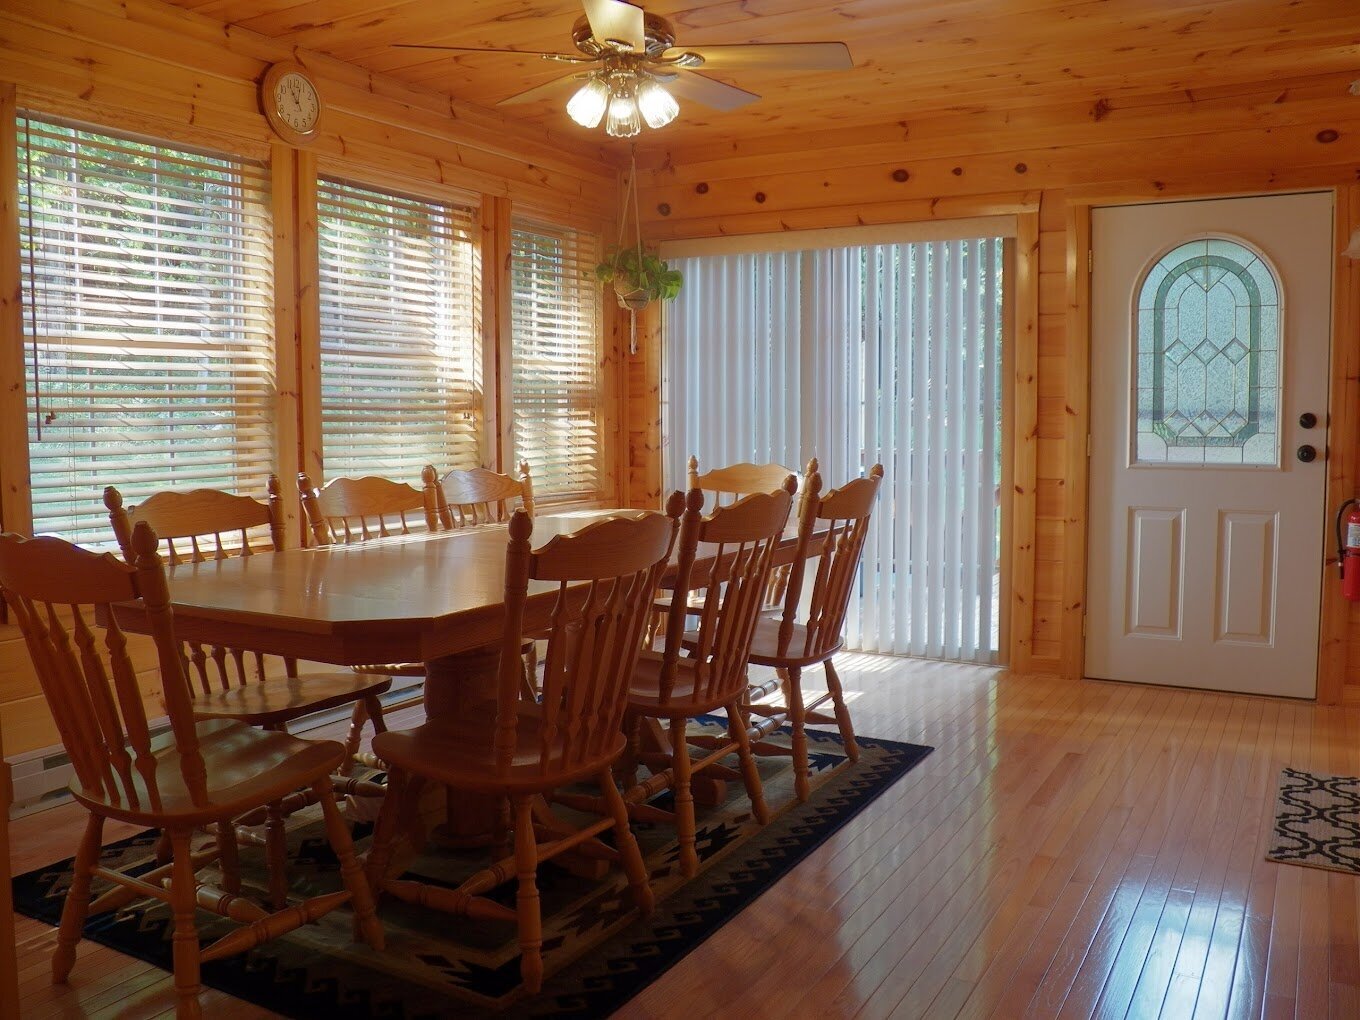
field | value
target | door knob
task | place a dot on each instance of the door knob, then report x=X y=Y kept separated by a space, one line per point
x=1307 y=454
x=1307 y=420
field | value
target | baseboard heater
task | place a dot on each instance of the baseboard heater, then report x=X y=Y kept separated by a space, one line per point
x=41 y=777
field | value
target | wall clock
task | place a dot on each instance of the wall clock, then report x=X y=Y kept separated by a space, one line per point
x=291 y=102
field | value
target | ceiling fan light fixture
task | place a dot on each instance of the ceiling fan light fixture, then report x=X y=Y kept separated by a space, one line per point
x=623 y=120
x=658 y=107
x=588 y=105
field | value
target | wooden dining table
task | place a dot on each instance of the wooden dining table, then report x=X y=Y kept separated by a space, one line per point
x=433 y=597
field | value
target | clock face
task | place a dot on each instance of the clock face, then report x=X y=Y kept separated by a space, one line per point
x=296 y=102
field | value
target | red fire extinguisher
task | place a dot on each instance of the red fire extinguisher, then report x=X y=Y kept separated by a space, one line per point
x=1348 y=549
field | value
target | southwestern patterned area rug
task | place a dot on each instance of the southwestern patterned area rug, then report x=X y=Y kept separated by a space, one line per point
x=1317 y=821
x=598 y=952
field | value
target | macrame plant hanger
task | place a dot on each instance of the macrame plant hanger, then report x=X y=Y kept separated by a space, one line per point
x=632 y=301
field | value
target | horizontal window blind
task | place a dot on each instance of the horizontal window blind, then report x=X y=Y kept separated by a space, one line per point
x=555 y=383
x=148 y=321
x=857 y=355
x=400 y=362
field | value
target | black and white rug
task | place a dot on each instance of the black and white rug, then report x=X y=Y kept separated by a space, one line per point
x=1317 y=821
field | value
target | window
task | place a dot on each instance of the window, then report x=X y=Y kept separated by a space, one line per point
x=555 y=385
x=400 y=361
x=148 y=321
x=1208 y=371
x=870 y=353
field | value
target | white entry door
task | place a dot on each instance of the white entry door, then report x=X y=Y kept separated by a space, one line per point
x=1210 y=329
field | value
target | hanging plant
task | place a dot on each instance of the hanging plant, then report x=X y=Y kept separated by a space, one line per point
x=638 y=275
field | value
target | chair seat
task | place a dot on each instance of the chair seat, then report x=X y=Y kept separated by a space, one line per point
x=765 y=646
x=458 y=752
x=282 y=699
x=245 y=767
x=644 y=689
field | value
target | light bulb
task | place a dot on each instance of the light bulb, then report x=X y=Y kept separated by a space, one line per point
x=658 y=106
x=587 y=106
x=623 y=121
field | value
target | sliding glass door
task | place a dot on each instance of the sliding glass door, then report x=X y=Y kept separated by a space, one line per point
x=882 y=353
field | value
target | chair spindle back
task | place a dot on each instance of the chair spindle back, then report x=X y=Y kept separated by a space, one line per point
x=845 y=513
x=728 y=484
x=349 y=510
x=216 y=525
x=56 y=591
x=595 y=633
x=743 y=536
x=478 y=496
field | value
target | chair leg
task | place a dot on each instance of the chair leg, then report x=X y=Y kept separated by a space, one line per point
x=833 y=684
x=360 y=894
x=276 y=856
x=375 y=712
x=229 y=860
x=185 y=948
x=385 y=833
x=629 y=852
x=77 y=905
x=750 y=775
x=526 y=903
x=625 y=769
x=684 y=799
x=798 y=721
x=355 y=736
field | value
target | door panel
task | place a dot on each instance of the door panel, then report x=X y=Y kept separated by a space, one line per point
x=1210 y=335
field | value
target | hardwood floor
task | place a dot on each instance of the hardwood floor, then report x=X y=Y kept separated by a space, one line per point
x=1071 y=849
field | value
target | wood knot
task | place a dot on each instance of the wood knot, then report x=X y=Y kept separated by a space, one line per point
x=1328 y=135
x=664 y=208
x=760 y=196
x=701 y=188
x=1021 y=168
x=957 y=171
x=901 y=176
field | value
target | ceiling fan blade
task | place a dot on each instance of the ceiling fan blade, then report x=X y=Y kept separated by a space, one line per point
x=708 y=92
x=548 y=88
x=615 y=21
x=811 y=56
x=566 y=57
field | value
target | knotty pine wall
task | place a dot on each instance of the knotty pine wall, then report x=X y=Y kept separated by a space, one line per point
x=143 y=67
x=1056 y=161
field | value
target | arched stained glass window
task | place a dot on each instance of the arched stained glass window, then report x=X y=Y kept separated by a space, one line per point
x=1208 y=370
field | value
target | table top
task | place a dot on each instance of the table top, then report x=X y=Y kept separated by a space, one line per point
x=402 y=598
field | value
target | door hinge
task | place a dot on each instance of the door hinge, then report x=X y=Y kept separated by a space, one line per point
x=1083 y=625
x=1088 y=446
x=1090 y=260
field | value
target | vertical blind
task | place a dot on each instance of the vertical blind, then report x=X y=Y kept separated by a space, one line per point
x=882 y=353
x=400 y=361
x=148 y=321
x=555 y=384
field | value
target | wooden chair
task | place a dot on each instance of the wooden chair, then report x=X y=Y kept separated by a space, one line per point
x=728 y=484
x=466 y=499
x=791 y=643
x=603 y=576
x=230 y=683
x=202 y=772
x=712 y=675
x=479 y=496
x=350 y=510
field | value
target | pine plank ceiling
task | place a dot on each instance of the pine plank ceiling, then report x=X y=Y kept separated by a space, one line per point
x=913 y=58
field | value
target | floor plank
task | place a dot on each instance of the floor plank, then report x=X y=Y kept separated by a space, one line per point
x=1070 y=849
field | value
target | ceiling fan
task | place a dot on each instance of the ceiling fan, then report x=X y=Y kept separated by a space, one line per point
x=629 y=69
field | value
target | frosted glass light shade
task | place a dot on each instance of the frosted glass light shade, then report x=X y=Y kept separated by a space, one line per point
x=623 y=121
x=658 y=106
x=588 y=105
